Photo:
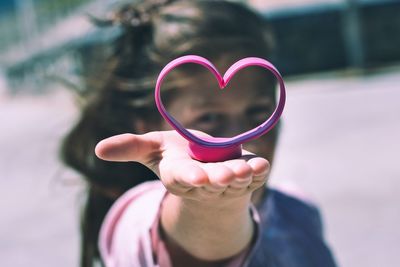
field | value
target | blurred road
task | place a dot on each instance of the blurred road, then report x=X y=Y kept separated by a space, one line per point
x=39 y=199
x=339 y=144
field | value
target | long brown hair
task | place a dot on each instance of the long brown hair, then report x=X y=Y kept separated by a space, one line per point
x=118 y=96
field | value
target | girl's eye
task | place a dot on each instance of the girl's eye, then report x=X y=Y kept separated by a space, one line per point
x=259 y=114
x=209 y=118
x=208 y=122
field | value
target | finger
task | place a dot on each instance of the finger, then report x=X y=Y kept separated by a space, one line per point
x=241 y=182
x=210 y=190
x=257 y=183
x=219 y=175
x=129 y=147
x=184 y=173
x=236 y=192
x=260 y=166
x=240 y=168
x=243 y=173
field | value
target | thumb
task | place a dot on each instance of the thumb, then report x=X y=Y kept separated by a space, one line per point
x=130 y=147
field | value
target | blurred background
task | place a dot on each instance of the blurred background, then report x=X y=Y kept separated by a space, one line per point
x=340 y=136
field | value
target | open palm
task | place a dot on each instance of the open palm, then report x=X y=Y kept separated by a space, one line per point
x=166 y=153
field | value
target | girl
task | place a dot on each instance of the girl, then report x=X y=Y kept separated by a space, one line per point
x=193 y=213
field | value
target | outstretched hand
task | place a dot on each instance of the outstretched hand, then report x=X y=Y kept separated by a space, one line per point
x=166 y=153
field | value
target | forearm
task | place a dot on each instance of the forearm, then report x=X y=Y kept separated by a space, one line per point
x=209 y=230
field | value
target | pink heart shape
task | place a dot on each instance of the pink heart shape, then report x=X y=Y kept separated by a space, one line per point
x=214 y=149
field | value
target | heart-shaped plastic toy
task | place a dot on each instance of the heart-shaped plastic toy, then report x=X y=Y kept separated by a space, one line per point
x=213 y=149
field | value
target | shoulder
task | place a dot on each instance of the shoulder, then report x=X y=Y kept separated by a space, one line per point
x=124 y=232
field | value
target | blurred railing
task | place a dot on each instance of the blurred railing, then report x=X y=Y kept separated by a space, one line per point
x=357 y=34
x=41 y=38
x=22 y=21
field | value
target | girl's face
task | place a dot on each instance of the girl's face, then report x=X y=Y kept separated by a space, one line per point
x=246 y=102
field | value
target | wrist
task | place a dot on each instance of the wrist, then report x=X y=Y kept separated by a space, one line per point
x=220 y=204
x=207 y=230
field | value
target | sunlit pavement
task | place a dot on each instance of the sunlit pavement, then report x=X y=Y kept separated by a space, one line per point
x=339 y=145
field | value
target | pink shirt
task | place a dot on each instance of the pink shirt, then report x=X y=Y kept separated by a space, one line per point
x=132 y=236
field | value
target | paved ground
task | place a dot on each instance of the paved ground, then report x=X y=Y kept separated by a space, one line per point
x=340 y=144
